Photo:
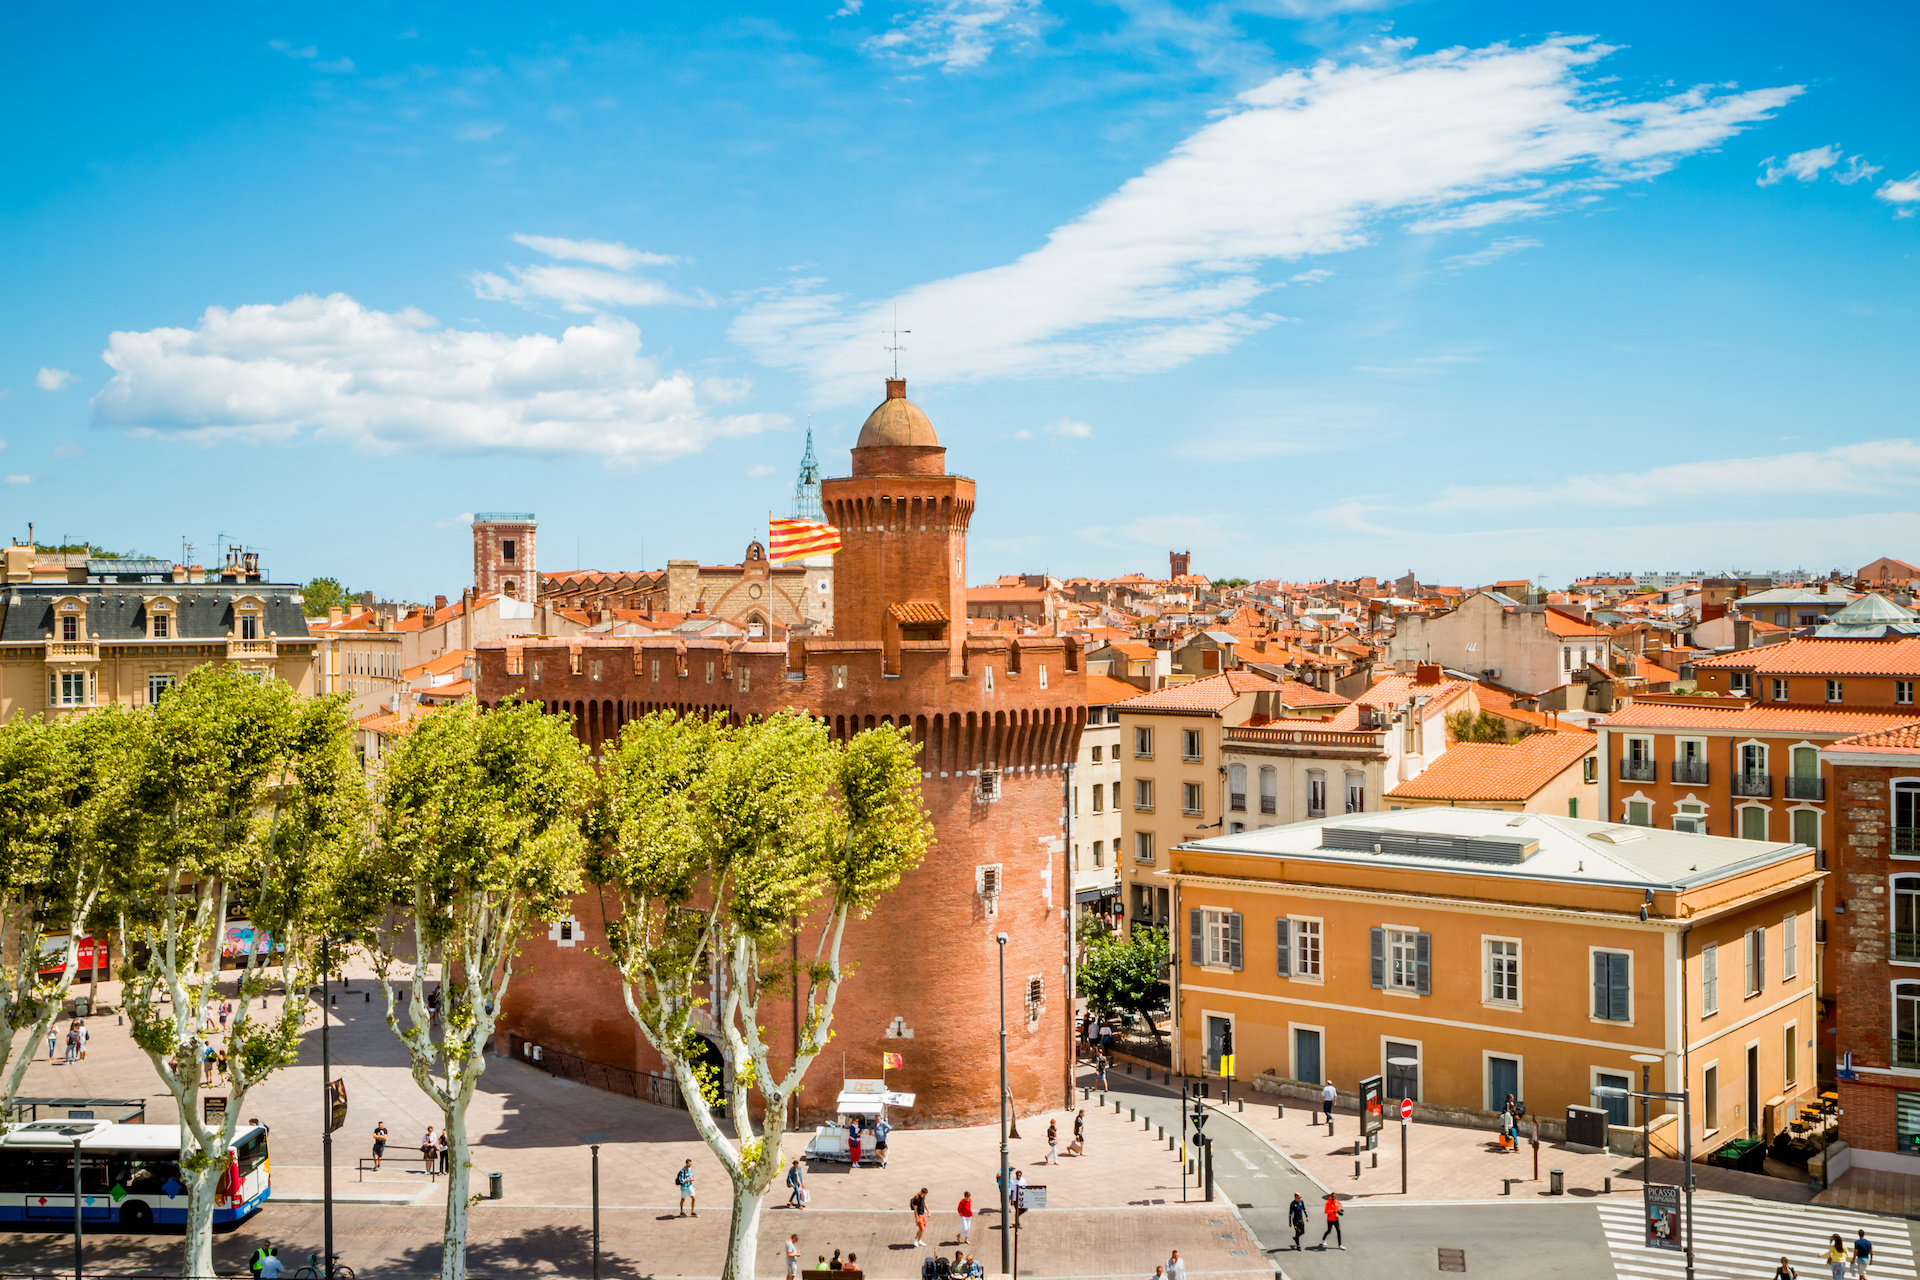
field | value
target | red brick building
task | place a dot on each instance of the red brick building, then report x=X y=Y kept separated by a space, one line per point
x=998 y=719
x=1873 y=943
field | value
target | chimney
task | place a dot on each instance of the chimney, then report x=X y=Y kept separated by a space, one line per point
x=1742 y=633
x=896 y=388
x=439 y=603
x=335 y=615
x=1427 y=673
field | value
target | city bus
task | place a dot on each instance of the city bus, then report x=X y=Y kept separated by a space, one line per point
x=129 y=1174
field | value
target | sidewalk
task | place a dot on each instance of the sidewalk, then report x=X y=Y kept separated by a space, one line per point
x=1874 y=1191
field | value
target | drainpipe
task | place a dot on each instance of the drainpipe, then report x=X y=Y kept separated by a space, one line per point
x=1685 y=1146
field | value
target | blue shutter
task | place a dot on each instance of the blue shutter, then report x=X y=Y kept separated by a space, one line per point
x=1422 y=963
x=1379 y=941
x=1617 y=988
x=1283 y=943
x=1233 y=940
x=1599 y=984
x=1196 y=940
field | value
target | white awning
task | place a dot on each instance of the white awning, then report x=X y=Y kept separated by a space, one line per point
x=859 y=1104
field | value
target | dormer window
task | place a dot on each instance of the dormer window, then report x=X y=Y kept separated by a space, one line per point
x=162 y=626
x=249 y=626
x=70 y=628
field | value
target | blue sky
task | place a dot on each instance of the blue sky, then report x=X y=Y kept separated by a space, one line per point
x=1311 y=287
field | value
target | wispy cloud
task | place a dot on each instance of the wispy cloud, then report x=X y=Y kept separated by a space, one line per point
x=462 y=520
x=588 y=288
x=292 y=51
x=1168 y=268
x=391 y=382
x=1492 y=253
x=1070 y=429
x=1856 y=170
x=1869 y=467
x=955 y=35
x=1803 y=166
x=54 y=379
x=1902 y=193
x=478 y=131
x=67 y=449
x=1314 y=276
x=19 y=479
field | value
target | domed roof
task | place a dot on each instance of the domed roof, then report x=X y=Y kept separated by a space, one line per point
x=897 y=422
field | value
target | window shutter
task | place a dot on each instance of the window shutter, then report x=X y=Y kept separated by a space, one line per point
x=1379 y=965
x=1599 y=984
x=1617 y=988
x=1749 y=989
x=1760 y=959
x=1196 y=938
x=1422 y=963
x=1233 y=940
x=1283 y=943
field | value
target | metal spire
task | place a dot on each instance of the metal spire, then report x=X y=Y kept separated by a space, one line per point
x=806 y=488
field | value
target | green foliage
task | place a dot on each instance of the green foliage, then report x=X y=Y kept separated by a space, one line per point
x=1124 y=973
x=322 y=594
x=1465 y=726
x=1228 y=584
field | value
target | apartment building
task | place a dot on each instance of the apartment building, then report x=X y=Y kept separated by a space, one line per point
x=1541 y=773
x=1096 y=797
x=1528 y=648
x=359 y=655
x=1502 y=953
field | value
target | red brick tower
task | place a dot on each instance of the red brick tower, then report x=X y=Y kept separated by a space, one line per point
x=503 y=555
x=997 y=719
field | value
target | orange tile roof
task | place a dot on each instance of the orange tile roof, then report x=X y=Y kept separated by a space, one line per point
x=451 y=660
x=1565 y=624
x=1510 y=771
x=450 y=692
x=1104 y=691
x=917 y=611
x=386 y=722
x=1813 y=657
x=1298 y=693
x=1902 y=739
x=1397 y=691
x=1733 y=715
x=1211 y=693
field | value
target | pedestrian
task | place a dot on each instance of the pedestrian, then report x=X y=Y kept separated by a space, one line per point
x=853 y=1143
x=1785 y=1271
x=1176 y=1269
x=225 y=1009
x=1836 y=1259
x=880 y=1131
x=443 y=1150
x=206 y=1065
x=219 y=1062
x=1159 y=1272
x=259 y=1256
x=271 y=1267
x=1862 y=1254
x=85 y=1035
x=919 y=1206
x=1297 y=1219
x=793 y=1256
x=1019 y=1196
x=684 y=1181
x=1106 y=1038
x=1334 y=1211
x=53 y=1043
x=1100 y=1070
x=965 y=1211
x=796 y=1186
x=428 y=1150
x=379 y=1142
x=1078 y=1147
x=73 y=1042
x=1053 y=1142
x=1328 y=1096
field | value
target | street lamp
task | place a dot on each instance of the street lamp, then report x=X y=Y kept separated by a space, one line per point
x=77 y=1263
x=1404 y=1125
x=1646 y=1061
x=1685 y=1099
x=1006 y=1245
x=594 y=1140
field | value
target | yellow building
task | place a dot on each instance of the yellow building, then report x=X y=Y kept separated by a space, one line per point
x=1502 y=953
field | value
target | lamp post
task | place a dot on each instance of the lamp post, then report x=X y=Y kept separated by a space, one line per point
x=1404 y=1125
x=1685 y=1099
x=594 y=1141
x=326 y=1104
x=1646 y=1061
x=77 y=1263
x=1006 y=1245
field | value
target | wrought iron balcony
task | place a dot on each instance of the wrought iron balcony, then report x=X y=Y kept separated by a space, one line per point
x=1319 y=812
x=1636 y=771
x=1692 y=772
x=1753 y=784
x=1906 y=1053
x=1906 y=839
x=1903 y=946
x=1806 y=788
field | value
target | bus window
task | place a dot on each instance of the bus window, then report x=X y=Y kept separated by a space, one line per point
x=251 y=1153
x=147 y=1173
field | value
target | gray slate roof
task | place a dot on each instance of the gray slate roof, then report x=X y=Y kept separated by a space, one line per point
x=205 y=610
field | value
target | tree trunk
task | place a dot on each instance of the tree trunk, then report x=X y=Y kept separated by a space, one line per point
x=202 y=1188
x=453 y=1244
x=743 y=1234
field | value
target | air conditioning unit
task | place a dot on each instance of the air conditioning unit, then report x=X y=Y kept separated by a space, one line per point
x=1491 y=673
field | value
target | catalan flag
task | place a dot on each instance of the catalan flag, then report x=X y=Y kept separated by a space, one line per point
x=798 y=539
x=888 y=1061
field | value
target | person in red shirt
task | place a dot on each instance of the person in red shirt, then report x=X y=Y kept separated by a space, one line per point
x=1333 y=1223
x=966 y=1217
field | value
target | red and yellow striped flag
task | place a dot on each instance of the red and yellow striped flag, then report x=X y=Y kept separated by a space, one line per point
x=891 y=1060
x=798 y=539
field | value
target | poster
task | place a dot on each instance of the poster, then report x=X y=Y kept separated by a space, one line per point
x=53 y=954
x=1372 y=1116
x=1663 y=1217
x=238 y=937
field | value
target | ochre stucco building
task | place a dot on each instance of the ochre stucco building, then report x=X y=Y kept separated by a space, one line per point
x=998 y=719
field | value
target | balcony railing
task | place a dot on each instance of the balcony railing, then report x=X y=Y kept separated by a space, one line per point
x=73 y=650
x=1636 y=771
x=1237 y=801
x=1906 y=1053
x=1753 y=784
x=1690 y=771
x=1270 y=736
x=1906 y=839
x=1903 y=946
x=1267 y=804
x=1316 y=812
x=1806 y=788
x=249 y=648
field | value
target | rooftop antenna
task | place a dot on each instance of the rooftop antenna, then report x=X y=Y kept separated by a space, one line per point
x=896 y=348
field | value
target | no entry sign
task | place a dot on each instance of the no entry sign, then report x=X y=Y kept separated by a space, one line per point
x=1406 y=1111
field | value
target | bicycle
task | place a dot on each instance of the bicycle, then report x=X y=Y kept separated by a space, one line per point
x=317 y=1270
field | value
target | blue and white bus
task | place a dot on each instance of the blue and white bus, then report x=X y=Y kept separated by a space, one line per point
x=129 y=1174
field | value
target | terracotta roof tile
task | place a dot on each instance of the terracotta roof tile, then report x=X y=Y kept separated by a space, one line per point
x=1211 y=693
x=1104 y=691
x=917 y=611
x=1901 y=738
x=1733 y=715
x=1812 y=657
x=1396 y=691
x=1509 y=771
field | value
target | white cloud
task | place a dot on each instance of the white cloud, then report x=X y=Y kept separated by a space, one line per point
x=1069 y=429
x=1902 y=193
x=54 y=379
x=19 y=479
x=754 y=473
x=955 y=34
x=1023 y=434
x=1857 y=168
x=1311 y=162
x=1314 y=276
x=478 y=131
x=581 y=288
x=1492 y=253
x=391 y=382
x=850 y=9
x=1869 y=467
x=1804 y=166
x=65 y=449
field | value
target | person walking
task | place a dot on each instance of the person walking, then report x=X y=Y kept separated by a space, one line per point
x=1100 y=1070
x=427 y=1150
x=85 y=1035
x=1785 y=1271
x=1836 y=1259
x=1862 y=1254
x=793 y=1256
x=1334 y=1211
x=684 y=1181
x=919 y=1206
x=1176 y=1269
x=965 y=1210
x=1078 y=1147
x=1297 y=1219
x=1328 y=1096
x=73 y=1042
x=379 y=1142
x=1019 y=1196
x=53 y=1044
x=796 y=1186
x=880 y=1131
x=271 y=1268
x=1053 y=1142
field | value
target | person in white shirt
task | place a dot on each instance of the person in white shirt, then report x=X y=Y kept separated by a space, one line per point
x=1176 y=1269
x=1327 y=1097
x=270 y=1267
x=793 y=1256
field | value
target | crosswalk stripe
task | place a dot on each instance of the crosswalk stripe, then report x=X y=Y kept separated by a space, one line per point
x=1738 y=1239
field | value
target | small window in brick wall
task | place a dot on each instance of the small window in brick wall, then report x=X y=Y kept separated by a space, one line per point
x=564 y=932
x=1036 y=1000
x=986 y=882
x=989 y=789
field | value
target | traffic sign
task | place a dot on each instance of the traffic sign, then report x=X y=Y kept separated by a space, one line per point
x=1406 y=1111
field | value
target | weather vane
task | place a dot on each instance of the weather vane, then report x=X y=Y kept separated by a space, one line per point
x=896 y=348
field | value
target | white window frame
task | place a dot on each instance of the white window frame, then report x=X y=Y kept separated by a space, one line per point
x=1894 y=786
x=1407 y=940
x=1193 y=799
x=1709 y=1099
x=1487 y=993
x=1903 y=693
x=1143 y=742
x=1709 y=979
x=1778 y=687
x=1143 y=795
x=1192 y=745
x=1836 y=691
x=1740 y=683
x=158 y=683
x=1894 y=894
x=1740 y=821
x=1296 y=926
x=1753 y=956
x=1790 y=946
x=1143 y=848
x=1219 y=944
x=1790 y=1055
